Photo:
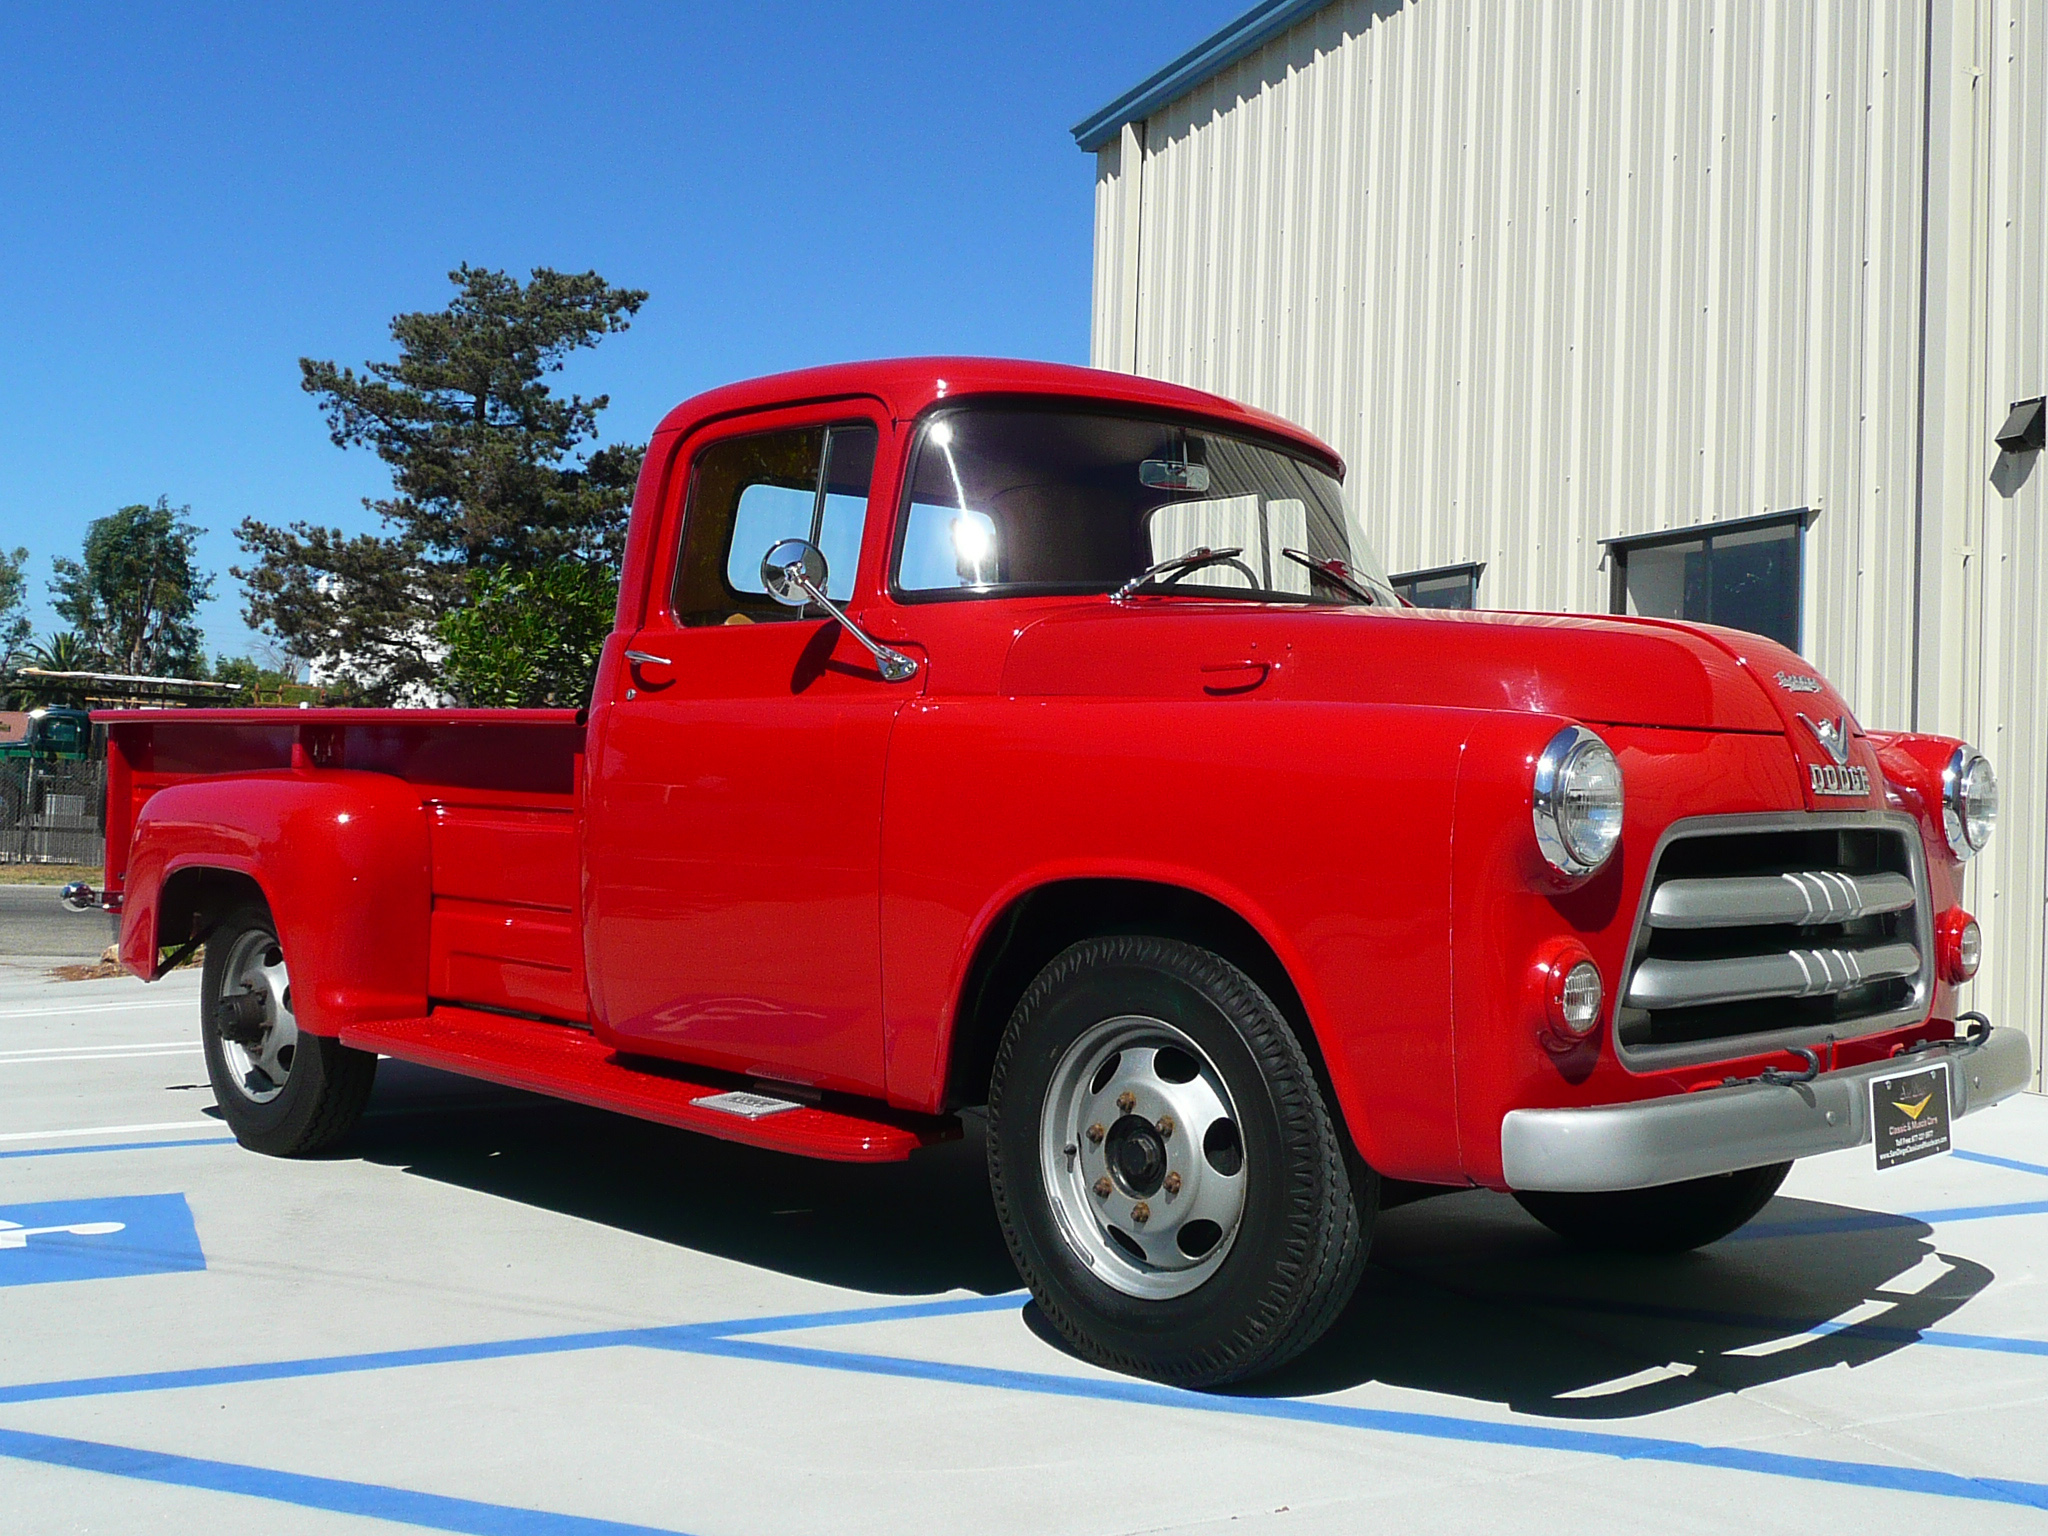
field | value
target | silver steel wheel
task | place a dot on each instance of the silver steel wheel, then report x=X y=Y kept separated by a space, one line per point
x=258 y=1035
x=1143 y=1157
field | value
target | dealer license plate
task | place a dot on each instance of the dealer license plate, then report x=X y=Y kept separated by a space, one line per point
x=1909 y=1115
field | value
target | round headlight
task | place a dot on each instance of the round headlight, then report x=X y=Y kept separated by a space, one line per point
x=1576 y=801
x=1969 y=801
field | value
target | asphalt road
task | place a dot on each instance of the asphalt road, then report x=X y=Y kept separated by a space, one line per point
x=33 y=922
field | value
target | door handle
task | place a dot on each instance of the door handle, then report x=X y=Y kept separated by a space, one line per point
x=648 y=659
x=1251 y=673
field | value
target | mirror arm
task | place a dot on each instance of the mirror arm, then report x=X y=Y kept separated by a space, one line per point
x=895 y=667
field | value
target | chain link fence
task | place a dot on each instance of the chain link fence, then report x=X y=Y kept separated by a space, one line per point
x=52 y=813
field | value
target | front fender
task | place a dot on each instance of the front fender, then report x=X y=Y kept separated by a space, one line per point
x=341 y=858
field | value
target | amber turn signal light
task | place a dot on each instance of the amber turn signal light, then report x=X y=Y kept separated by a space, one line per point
x=1958 y=946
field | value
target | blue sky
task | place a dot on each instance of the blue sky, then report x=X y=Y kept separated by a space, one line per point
x=193 y=198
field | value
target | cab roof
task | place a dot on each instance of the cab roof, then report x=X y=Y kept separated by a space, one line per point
x=907 y=385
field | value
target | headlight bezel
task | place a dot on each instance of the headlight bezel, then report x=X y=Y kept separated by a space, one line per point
x=1563 y=758
x=1960 y=784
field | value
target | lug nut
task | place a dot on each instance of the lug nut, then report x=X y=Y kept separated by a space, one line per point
x=1166 y=1125
x=1173 y=1184
x=1127 y=1101
x=1141 y=1212
x=1096 y=1133
x=1103 y=1187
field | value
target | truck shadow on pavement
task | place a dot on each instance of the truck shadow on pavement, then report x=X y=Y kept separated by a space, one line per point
x=908 y=1229
x=1465 y=1295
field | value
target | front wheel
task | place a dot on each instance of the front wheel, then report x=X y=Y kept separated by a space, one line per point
x=1164 y=1167
x=281 y=1091
x=1669 y=1218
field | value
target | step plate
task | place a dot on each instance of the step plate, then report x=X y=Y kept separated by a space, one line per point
x=566 y=1063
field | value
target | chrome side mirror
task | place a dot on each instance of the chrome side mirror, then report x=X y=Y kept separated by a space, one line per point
x=793 y=572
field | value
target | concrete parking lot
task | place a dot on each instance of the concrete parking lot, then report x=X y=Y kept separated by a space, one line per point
x=491 y=1313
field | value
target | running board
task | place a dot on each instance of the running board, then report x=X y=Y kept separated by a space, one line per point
x=566 y=1063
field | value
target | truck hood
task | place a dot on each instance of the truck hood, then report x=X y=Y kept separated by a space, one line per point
x=1603 y=671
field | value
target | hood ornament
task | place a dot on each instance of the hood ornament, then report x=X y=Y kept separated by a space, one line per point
x=1832 y=734
x=1839 y=777
x=1798 y=682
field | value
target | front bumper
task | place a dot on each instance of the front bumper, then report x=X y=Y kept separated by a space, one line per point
x=1722 y=1130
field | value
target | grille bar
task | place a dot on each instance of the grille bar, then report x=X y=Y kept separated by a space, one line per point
x=1748 y=978
x=1801 y=897
x=1764 y=932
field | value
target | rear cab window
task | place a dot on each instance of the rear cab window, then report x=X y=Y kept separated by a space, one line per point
x=748 y=494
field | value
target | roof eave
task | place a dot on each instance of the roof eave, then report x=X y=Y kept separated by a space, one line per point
x=1250 y=32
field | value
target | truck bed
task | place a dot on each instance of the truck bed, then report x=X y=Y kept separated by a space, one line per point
x=500 y=791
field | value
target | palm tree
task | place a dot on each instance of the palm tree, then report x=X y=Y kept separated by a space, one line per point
x=63 y=651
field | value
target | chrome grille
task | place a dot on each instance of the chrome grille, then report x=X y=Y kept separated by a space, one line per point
x=1762 y=932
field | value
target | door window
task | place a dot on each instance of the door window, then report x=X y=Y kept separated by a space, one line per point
x=748 y=494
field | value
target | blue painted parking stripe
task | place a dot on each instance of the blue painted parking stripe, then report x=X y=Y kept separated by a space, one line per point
x=1784 y=1327
x=1007 y=1301
x=1388 y=1421
x=405 y=1506
x=2002 y=1162
x=123 y=1146
x=1979 y=1212
x=1874 y=1221
x=321 y=1365
x=495 y=1349
x=735 y=1337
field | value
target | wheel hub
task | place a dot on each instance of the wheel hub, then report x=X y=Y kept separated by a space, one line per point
x=1137 y=1156
x=1142 y=1155
x=259 y=1036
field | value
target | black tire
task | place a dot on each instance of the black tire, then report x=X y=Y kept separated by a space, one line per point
x=1670 y=1218
x=1300 y=1243
x=326 y=1084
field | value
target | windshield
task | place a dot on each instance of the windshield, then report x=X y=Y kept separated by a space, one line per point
x=1007 y=501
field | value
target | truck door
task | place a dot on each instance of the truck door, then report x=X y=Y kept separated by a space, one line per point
x=734 y=833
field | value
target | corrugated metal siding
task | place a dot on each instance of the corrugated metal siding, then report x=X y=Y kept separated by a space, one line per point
x=2006 y=710
x=1550 y=272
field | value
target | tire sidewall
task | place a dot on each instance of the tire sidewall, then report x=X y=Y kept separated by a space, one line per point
x=1249 y=1299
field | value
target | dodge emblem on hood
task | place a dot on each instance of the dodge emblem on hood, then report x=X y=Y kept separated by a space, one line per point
x=1798 y=682
x=1832 y=734
x=1838 y=777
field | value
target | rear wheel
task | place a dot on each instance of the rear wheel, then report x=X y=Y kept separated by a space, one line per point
x=280 y=1090
x=1164 y=1167
x=1670 y=1218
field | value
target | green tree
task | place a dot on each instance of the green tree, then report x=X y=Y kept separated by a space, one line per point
x=261 y=683
x=14 y=624
x=134 y=596
x=490 y=470
x=529 y=638
x=63 y=651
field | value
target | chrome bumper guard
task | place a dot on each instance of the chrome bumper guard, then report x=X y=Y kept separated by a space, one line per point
x=1722 y=1130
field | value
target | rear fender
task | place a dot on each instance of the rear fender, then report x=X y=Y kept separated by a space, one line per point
x=340 y=857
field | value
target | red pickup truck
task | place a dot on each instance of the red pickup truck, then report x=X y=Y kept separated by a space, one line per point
x=981 y=733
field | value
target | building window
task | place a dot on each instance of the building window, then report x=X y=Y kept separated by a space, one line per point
x=1443 y=586
x=1746 y=573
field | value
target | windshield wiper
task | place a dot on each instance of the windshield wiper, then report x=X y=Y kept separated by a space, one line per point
x=1333 y=571
x=1178 y=565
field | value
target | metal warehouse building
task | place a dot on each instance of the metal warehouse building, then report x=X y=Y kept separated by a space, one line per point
x=1707 y=308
